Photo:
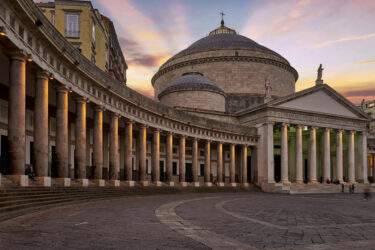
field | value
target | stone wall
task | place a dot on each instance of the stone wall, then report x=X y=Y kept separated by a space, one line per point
x=195 y=99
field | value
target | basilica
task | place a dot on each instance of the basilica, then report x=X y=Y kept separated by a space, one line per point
x=225 y=113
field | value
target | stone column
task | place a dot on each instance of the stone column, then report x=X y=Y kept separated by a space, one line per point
x=62 y=158
x=327 y=155
x=284 y=154
x=169 y=159
x=41 y=129
x=364 y=157
x=232 y=166
x=351 y=160
x=220 y=182
x=299 y=155
x=207 y=164
x=182 y=167
x=142 y=155
x=312 y=160
x=244 y=166
x=195 y=163
x=373 y=168
x=16 y=118
x=80 y=142
x=339 y=163
x=155 y=173
x=113 y=151
x=97 y=159
x=128 y=168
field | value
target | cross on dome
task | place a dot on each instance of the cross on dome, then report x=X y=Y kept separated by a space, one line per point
x=222 y=17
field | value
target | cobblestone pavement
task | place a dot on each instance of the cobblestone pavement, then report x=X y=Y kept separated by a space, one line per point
x=200 y=221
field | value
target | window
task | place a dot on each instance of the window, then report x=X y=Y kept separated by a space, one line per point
x=53 y=17
x=72 y=25
x=93 y=32
x=30 y=40
x=21 y=32
x=12 y=22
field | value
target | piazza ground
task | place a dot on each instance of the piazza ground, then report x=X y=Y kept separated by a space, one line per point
x=247 y=220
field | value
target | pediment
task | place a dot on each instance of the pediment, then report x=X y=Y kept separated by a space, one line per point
x=321 y=101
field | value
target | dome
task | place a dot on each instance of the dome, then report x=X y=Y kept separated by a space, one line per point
x=192 y=81
x=224 y=38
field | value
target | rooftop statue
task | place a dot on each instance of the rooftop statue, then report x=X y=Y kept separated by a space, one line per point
x=268 y=89
x=319 y=80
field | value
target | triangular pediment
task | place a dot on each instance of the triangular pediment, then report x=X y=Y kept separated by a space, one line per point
x=322 y=100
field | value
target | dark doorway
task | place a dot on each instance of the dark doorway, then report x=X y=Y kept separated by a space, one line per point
x=32 y=153
x=305 y=176
x=53 y=162
x=277 y=159
x=189 y=173
x=162 y=173
x=249 y=169
x=202 y=169
x=4 y=154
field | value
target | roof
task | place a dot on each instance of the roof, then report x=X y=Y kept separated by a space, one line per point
x=192 y=81
x=316 y=88
x=46 y=5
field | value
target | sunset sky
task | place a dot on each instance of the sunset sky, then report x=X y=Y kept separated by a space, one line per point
x=340 y=34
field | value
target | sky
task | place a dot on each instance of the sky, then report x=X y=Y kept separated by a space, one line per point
x=340 y=34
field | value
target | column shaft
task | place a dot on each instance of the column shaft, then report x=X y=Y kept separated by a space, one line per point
x=16 y=116
x=195 y=160
x=351 y=160
x=128 y=151
x=113 y=151
x=312 y=155
x=169 y=157
x=299 y=155
x=339 y=163
x=244 y=164
x=155 y=174
x=97 y=159
x=62 y=133
x=207 y=162
x=220 y=163
x=232 y=166
x=41 y=125
x=142 y=153
x=364 y=157
x=80 y=139
x=182 y=168
x=327 y=156
x=284 y=154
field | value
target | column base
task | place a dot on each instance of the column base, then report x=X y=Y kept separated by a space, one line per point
x=115 y=183
x=43 y=181
x=208 y=184
x=352 y=182
x=170 y=183
x=143 y=183
x=183 y=184
x=220 y=184
x=298 y=182
x=99 y=182
x=21 y=180
x=313 y=182
x=65 y=182
x=233 y=184
x=286 y=182
x=129 y=183
x=245 y=185
x=83 y=182
x=195 y=184
x=157 y=183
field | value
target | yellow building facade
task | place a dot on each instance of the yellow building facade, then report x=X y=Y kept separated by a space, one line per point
x=83 y=26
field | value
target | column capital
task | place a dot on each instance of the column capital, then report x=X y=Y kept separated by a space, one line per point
x=327 y=129
x=80 y=99
x=156 y=130
x=62 y=89
x=313 y=127
x=129 y=122
x=42 y=74
x=182 y=136
x=143 y=125
x=99 y=108
x=115 y=114
x=18 y=54
x=285 y=124
x=299 y=126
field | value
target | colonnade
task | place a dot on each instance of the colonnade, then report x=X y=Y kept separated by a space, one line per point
x=312 y=161
x=16 y=138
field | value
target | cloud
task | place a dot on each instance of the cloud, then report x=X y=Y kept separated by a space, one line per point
x=345 y=39
x=365 y=62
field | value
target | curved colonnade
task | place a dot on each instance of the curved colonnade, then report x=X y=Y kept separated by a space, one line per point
x=38 y=51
